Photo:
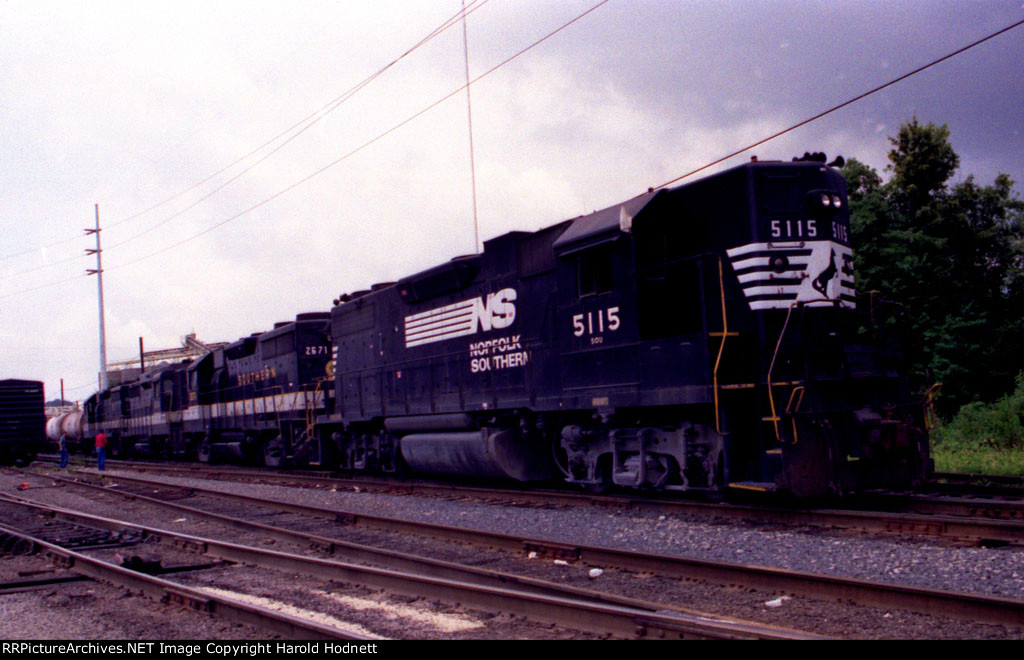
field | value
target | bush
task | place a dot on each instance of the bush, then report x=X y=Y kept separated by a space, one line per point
x=998 y=425
x=976 y=459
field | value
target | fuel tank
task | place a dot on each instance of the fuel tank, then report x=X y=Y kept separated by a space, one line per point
x=486 y=452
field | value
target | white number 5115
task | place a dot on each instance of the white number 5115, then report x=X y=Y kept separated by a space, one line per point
x=597 y=321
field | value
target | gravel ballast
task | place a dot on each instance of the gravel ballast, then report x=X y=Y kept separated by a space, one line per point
x=884 y=558
x=916 y=561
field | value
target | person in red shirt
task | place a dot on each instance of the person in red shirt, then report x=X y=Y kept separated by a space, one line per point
x=101 y=449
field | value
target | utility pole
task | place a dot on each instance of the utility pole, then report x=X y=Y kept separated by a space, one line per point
x=469 y=115
x=98 y=272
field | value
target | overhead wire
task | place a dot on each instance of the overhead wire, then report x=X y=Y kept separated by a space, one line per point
x=366 y=144
x=44 y=266
x=503 y=63
x=309 y=121
x=42 y=286
x=45 y=245
x=473 y=6
x=536 y=43
x=843 y=104
x=78 y=387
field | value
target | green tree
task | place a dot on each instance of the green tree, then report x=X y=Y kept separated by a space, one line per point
x=951 y=255
x=922 y=160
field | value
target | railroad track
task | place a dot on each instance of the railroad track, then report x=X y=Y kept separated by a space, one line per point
x=65 y=533
x=986 y=485
x=986 y=522
x=971 y=607
x=150 y=580
x=1010 y=480
x=545 y=602
x=952 y=504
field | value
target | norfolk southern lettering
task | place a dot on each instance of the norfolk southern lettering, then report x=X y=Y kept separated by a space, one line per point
x=468 y=317
x=501 y=353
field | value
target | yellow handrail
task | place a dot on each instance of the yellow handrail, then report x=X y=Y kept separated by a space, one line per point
x=792 y=410
x=929 y=405
x=778 y=344
x=721 y=347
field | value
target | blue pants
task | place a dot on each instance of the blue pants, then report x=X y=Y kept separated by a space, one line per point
x=101 y=457
x=64 y=458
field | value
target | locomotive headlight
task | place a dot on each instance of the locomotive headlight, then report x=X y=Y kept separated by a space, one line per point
x=823 y=202
x=780 y=263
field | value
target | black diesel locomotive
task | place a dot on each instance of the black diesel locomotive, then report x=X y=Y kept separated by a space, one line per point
x=252 y=400
x=704 y=337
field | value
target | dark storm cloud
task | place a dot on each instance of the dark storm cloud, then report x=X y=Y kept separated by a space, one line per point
x=726 y=63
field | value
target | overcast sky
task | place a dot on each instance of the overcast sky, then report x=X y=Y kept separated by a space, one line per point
x=126 y=104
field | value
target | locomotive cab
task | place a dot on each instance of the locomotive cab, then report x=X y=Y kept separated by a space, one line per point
x=634 y=349
x=712 y=330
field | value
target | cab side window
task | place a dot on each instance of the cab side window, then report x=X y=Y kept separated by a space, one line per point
x=594 y=271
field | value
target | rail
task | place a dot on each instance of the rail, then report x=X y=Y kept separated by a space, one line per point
x=539 y=600
x=165 y=591
x=977 y=607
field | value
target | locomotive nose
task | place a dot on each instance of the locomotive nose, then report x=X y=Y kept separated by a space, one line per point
x=874 y=449
x=882 y=436
x=893 y=451
x=888 y=438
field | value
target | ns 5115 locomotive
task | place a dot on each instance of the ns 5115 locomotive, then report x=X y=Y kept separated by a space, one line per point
x=702 y=338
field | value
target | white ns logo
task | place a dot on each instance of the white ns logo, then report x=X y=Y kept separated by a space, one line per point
x=497 y=312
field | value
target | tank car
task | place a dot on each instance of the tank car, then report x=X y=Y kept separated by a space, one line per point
x=70 y=424
x=22 y=421
x=703 y=337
